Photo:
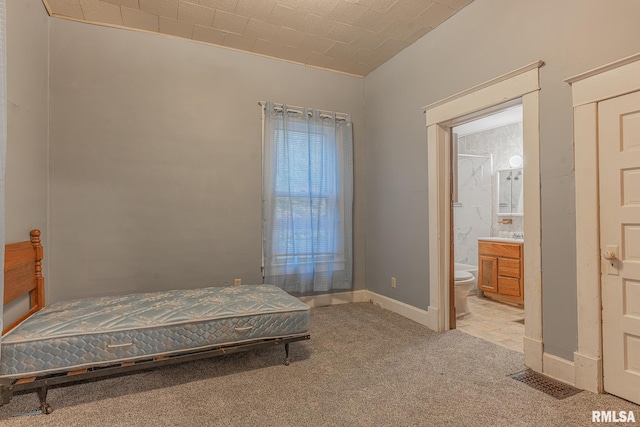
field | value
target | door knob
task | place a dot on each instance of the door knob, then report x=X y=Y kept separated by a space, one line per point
x=610 y=254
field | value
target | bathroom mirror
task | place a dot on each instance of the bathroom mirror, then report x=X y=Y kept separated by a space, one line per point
x=509 y=191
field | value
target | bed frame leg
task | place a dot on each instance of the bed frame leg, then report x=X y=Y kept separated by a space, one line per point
x=44 y=406
x=286 y=354
x=6 y=391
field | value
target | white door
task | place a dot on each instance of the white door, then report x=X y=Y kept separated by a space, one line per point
x=619 y=145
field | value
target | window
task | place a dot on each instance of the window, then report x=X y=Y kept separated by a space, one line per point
x=307 y=199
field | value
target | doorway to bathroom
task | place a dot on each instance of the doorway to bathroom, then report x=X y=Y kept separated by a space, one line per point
x=487 y=226
x=522 y=84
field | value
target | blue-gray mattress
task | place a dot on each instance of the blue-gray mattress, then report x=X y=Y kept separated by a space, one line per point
x=106 y=330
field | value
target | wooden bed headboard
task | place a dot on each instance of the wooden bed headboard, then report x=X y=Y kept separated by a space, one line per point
x=23 y=274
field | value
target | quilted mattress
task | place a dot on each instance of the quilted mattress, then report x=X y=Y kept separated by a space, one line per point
x=106 y=330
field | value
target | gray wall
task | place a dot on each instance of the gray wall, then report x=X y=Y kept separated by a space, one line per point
x=27 y=123
x=27 y=118
x=485 y=40
x=156 y=159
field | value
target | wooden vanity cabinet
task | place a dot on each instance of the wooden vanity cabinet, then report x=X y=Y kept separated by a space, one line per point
x=501 y=271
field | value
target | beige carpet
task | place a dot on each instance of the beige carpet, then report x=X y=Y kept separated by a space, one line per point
x=363 y=366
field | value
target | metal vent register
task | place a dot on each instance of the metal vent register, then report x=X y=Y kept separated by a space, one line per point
x=553 y=388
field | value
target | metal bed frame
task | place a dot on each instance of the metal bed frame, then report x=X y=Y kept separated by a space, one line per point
x=41 y=384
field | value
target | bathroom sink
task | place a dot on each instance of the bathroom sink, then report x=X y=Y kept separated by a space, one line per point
x=502 y=239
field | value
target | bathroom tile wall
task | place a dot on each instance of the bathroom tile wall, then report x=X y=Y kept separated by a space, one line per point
x=502 y=143
x=472 y=213
x=475 y=214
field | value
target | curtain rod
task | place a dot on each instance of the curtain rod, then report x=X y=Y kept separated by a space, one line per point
x=263 y=104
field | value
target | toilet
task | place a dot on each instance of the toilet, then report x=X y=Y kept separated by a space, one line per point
x=465 y=281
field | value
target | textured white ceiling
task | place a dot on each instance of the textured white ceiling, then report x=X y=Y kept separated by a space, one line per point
x=350 y=36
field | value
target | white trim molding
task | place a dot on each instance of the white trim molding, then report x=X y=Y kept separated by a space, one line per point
x=558 y=368
x=492 y=82
x=433 y=319
x=532 y=226
x=438 y=168
x=611 y=80
x=588 y=372
x=533 y=352
x=523 y=84
x=509 y=86
x=406 y=310
x=588 y=375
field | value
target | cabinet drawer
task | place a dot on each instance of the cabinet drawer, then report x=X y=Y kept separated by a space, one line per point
x=504 y=250
x=509 y=267
x=509 y=286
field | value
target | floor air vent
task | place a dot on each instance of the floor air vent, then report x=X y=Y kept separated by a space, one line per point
x=545 y=384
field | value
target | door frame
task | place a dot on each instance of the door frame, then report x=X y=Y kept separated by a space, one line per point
x=522 y=83
x=588 y=89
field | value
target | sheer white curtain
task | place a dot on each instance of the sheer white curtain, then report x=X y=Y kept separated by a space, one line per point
x=3 y=134
x=307 y=199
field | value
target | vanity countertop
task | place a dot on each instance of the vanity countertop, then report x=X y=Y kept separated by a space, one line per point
x=501 y=239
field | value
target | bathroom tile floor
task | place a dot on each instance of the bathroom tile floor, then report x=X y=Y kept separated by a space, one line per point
x=495 y=322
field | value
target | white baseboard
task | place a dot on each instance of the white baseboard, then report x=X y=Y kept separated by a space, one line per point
x=336 y=298
x=533 y=351
x=588 y=372
x=558 y=368
x=429 y=319
x=406 y=310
